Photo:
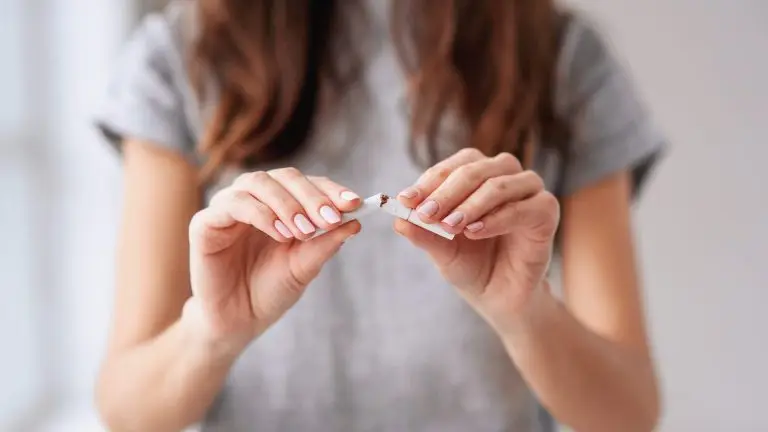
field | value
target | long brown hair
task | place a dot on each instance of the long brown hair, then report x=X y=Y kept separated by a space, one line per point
x=492 y=62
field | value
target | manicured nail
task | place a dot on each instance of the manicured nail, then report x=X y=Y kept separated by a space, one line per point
x=283 y=230
x=428 y=209
x=454 y=218
x=329 y=215
x=349 y=196
x=303 y=224
x=409 y=193
x=475 y=227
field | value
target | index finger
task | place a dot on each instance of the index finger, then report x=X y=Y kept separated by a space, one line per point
x=343 y=198
x=436 y=175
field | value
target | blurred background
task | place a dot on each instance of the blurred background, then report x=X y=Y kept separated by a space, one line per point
x=702 y=223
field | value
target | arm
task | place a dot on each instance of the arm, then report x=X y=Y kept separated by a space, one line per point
x=589 y=361
x=160 y=372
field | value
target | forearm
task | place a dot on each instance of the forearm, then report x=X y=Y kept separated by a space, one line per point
x=585 y=381
x=165 y=384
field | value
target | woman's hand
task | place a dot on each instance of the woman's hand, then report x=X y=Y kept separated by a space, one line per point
x=247 y=268
x=508 y=221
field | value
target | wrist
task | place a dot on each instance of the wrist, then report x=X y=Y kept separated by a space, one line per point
x=529 y=316
x=200 y=333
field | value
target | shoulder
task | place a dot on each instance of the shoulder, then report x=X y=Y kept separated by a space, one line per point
x=162 y=41
x=586 y=58
x=611 y=126
x=149 y=96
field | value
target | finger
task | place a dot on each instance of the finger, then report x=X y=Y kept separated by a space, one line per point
x=343 y=198
x=441 y=250
x=537 y=216
x=321 y=211
x=218 y=226
x=312 y=255
x=462 y=182
x=272 y=194
x=492 y=194
x=434 y=176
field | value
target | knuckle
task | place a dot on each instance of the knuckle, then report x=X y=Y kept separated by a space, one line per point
x=510 y=160
x=197 y=224
x=198 y=231
x=534 y=180
x=257 y=176
x=549 y=212
x=219 y=196
x=498 y=185
x=471 y=173
x=287 y=173
x=550 y=202
x=252 y=178
x=438 y=173
x=471 y=152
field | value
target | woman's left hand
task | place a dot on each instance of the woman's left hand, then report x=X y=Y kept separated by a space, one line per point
x=505 y=221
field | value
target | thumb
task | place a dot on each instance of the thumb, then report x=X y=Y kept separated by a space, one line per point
x=311 y=255
x=441 y=250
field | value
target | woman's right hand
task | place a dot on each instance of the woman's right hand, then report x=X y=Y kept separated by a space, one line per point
x=250 y=253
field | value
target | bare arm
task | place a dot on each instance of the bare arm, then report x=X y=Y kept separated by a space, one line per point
x=589 y=360
x=161 y=372
x=191 y=294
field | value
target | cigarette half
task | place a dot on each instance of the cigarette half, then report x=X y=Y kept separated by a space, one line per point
x=369 y=205
x=395 y=208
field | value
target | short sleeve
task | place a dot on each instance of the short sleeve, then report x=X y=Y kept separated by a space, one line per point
x=144 y=99
x=611 y=129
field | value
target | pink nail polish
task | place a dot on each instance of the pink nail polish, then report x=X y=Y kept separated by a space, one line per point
x=409 y=193
x=283 y=230
x=428 y=209
x=454 y=218
x=303 y=224
x=329 y=215
x=349 y=196
x=475 y=227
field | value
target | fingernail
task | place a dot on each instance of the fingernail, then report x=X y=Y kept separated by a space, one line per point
x=283 y=230
x=409 y=193
x=475 y=227
x=454 y=218
x=349 y=196
x=330 y=215
x=303 y=224
x=428 y=209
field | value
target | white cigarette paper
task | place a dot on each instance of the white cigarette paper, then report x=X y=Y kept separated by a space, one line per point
x=369 y=205
x=395 y=208
x=389 y=205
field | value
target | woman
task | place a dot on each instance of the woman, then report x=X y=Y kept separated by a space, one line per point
x=247 y=126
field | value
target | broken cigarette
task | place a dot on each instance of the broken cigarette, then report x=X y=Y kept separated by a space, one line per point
x=394 y=208
x=369 y=205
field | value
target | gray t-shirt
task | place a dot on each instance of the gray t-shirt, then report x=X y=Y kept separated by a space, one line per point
x=380 y=342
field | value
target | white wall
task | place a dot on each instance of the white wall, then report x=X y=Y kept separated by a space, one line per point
x=84 y=39
x=702 y=65
x=59 y=207
x=702 y=224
